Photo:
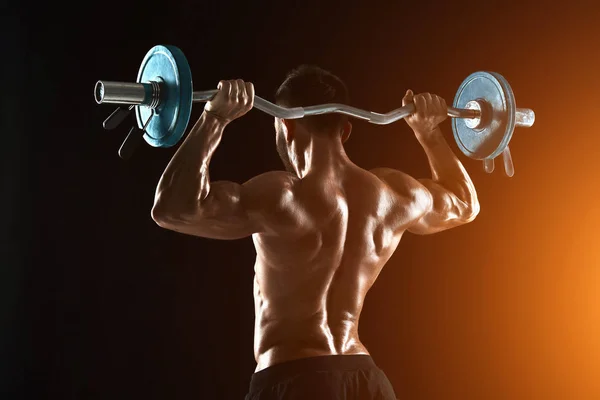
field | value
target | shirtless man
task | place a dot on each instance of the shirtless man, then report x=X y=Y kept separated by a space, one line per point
x=323 y=230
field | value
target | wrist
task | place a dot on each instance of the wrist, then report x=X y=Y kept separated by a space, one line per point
x=426 y=137
x=215 y=120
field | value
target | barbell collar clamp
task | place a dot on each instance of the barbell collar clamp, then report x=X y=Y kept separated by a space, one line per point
x=117 y=117
x=133 y=140
x=488 y=165
x=509 y=167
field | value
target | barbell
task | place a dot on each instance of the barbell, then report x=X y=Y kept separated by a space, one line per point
x=484 y=113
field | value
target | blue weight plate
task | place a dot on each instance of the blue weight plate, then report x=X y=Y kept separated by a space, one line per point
x=168 y=66
x=490 y=140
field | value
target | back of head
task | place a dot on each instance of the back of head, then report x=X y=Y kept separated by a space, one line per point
x=309 y=85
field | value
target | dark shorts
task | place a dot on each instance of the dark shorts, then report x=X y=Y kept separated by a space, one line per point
x=350 y=377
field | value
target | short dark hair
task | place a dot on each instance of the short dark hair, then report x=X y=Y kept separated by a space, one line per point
x=309 y=85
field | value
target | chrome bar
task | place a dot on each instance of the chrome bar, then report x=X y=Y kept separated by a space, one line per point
x=463 y=113
x=524 y=117
x=123 y=92
x=206 y=95
x=259 y=103
x=146 y=94
x=300 y=112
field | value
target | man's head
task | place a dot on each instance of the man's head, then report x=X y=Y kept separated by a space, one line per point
x=304 y=86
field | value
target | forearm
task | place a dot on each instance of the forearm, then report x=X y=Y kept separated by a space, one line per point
x=446 y=168
x=186 y=181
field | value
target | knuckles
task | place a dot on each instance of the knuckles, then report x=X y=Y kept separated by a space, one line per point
x=235 y=98
x=239 y=95
x=429 y=105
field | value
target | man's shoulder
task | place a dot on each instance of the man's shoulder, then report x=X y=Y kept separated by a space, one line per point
x=272 y=182
x=385 y=173
x=269 y=188
x=400 y=182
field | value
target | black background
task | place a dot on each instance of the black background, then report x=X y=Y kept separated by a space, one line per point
x=98 y=302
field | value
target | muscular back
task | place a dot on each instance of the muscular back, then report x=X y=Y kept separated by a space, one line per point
x=323 y=233
x=310 y=283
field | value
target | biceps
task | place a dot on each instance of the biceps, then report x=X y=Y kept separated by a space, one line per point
x=445 y=211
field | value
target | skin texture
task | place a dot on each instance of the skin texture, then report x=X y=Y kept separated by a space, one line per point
x=323 y=229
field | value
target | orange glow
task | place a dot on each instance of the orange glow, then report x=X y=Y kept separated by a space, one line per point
x=507 y=307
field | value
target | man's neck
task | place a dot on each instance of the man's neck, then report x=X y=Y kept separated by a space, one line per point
x=320 y=156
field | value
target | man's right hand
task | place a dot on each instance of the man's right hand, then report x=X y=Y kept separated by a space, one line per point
x=431 y=110
x=233 y=100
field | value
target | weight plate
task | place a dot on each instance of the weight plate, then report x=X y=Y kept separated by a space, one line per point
x=491 y=139
x=168 y=66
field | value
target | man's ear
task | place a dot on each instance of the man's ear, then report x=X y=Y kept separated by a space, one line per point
x=346 y=131
x=289 y=128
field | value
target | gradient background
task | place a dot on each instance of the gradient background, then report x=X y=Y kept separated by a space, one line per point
x=98 y=302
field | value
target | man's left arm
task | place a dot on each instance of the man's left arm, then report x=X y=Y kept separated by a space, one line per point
x=187 y=202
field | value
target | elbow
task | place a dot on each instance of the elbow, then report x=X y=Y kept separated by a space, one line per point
x=167 y=216
x=163 y=214
x=472 y=212
x=160 y=215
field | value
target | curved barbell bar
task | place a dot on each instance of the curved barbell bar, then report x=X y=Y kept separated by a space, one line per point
x=145 y=94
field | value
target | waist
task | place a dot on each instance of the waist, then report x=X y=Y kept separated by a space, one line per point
x=286 y=370
x=290 y=336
